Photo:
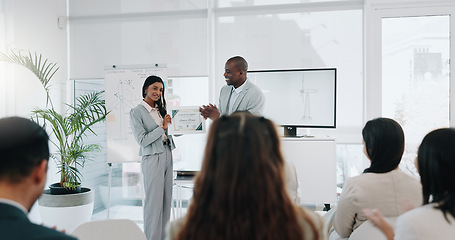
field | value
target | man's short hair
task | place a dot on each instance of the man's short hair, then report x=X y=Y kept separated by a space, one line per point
x=240 y=62
x=23 y=145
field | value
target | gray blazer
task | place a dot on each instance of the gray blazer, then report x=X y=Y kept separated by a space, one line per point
x=146 y=132
x=251 y=99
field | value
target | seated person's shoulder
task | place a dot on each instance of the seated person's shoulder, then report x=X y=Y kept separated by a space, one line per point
x=355 y=181
x=43 y=232
x=356 y=187
x=364 y=179
x=32 y=231
x=402 y=174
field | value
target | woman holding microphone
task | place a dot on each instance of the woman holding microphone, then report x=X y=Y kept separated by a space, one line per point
x=149 y=122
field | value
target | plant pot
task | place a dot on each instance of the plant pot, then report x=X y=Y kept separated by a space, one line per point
x=66 y=211
x=56 y=189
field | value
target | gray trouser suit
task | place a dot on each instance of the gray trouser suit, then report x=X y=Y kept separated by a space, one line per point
x=157 y=174
x=157 y=170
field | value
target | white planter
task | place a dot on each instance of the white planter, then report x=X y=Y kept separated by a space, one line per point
x=68 y=211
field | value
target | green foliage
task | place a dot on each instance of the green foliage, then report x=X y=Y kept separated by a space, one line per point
x=43 y=70
x=69 y=128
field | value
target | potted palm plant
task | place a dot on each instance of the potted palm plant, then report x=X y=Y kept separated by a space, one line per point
x=68 y=131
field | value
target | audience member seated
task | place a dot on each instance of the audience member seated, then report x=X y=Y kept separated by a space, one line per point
x=436 y=218
x=240 y=191
x=383 y=185
x=24 y=155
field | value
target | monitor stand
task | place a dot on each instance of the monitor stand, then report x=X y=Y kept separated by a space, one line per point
x=290 y=131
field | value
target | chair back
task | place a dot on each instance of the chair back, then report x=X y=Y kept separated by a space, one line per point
x=368 y=231
x=328 y=221
x=112 y=229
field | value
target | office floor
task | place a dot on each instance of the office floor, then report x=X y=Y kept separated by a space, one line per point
x=135 y=213
x=131 y=212
x=182 y=193
x=132 y=209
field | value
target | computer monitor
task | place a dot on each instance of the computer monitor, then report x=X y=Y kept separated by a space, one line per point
x=298 y=98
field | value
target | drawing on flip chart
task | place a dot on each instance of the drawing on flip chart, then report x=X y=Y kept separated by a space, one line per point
x=124 y=92
x=123 y=102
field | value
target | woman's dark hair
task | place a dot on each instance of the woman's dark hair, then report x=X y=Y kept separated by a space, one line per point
x=240 y=192
x=384 y=143
x=161 y=103
x=436 y=163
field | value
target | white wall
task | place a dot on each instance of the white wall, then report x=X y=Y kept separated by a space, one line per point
x=32 y=26
x=124 y=33
x=196 y=43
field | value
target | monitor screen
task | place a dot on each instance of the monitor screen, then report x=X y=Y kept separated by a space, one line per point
x=298 y=97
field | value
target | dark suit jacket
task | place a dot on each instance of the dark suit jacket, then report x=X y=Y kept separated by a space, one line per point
x=15 y=225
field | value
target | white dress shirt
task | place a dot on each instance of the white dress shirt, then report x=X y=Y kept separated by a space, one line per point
x=234 y=95
x=155 y=114
x=423 y=223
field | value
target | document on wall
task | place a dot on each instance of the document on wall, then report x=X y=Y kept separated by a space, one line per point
x=186 y=120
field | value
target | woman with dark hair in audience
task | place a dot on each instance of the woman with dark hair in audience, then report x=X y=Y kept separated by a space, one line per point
x=383 y=185
x=240 y=191
x=436 y=218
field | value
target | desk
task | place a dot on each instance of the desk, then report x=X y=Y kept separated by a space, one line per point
x=315 y=163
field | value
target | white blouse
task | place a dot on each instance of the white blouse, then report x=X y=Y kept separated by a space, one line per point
x=155 y=114
x=425 y=222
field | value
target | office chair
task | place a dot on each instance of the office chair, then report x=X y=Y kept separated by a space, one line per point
x=328 y=221
x=368 y=231
x=111 y=229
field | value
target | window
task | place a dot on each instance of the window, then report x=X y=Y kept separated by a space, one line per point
x=410 y=68
x=415 y=76
x=302 y=40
